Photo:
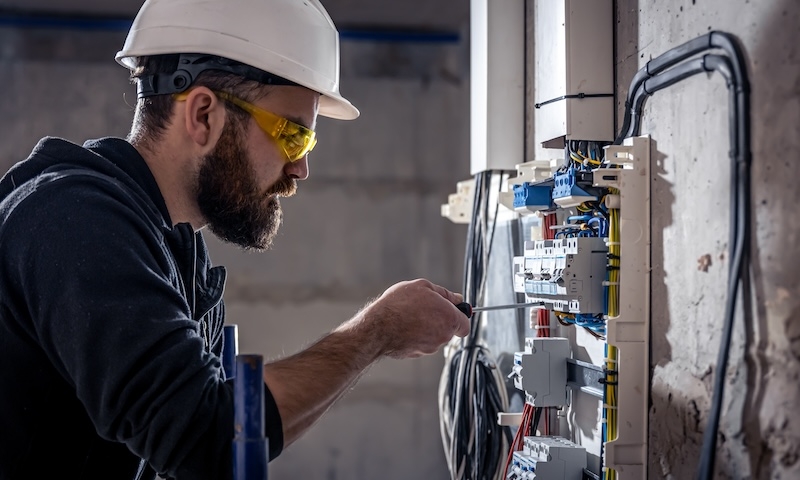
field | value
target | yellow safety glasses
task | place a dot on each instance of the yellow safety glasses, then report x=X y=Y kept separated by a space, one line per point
x=295 y=140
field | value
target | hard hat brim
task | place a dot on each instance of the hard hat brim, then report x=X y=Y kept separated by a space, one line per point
x=337 y=107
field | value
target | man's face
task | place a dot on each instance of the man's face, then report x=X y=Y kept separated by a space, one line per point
x=241 y=179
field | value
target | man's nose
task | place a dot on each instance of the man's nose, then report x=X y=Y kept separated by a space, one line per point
x=297 y=170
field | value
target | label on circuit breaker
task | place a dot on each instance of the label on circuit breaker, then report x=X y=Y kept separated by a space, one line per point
x=565 y=274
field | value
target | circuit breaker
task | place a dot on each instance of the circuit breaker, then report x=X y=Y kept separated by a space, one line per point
x=541 y=371
x=548 y=458
x=567 y=274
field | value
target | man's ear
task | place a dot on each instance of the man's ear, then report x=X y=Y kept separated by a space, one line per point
x=204 y=117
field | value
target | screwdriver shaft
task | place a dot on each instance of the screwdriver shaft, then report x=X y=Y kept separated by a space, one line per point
x=504 y=307
x=468 y=309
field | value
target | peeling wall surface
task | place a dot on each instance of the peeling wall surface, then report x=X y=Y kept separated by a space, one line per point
x=760 y=430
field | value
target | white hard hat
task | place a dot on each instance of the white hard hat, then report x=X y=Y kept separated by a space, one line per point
x=295 y=40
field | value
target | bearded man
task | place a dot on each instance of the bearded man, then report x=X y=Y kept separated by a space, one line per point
x=110 y=310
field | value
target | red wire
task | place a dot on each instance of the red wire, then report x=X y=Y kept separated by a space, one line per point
x=519 y=438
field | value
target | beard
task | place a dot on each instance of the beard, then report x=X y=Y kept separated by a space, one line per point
x=228 y=195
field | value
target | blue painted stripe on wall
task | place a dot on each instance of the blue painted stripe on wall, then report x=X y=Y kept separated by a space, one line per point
x=16 y=20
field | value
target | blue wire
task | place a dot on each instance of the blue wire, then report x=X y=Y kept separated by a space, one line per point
x=578 y=218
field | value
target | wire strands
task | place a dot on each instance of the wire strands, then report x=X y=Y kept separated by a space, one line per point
x=610 y=404
x=613 y=262
x=472 y=390
x=585 y=154
x=611 y=365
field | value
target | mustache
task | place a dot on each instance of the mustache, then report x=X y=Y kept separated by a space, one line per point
x=284 y=187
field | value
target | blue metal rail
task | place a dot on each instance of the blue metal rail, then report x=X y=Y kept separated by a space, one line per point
x=230 y=348
x=250 y=445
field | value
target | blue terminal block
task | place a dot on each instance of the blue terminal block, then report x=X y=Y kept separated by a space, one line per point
x=250 y=445
x=566 y=192
x=532 y=197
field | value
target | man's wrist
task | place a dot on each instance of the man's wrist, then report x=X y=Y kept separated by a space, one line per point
x=364 y=335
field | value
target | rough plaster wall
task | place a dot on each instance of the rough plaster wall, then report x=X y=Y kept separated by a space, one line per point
x=760 y=431
x=367 y=217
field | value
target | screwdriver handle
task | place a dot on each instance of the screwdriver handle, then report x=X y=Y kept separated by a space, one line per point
x=465 y=308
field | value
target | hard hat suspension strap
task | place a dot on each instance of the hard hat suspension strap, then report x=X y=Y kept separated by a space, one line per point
x=191 y=65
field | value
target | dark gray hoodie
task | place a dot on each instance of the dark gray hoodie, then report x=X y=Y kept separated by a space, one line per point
x=110 y=325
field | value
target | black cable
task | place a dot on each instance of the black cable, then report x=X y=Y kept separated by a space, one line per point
x=473 y=271
x=477 y=440
x=657 y=65
x=537 y=415
x=706 y=63
x=741 y=159
x=479 y=409
x=487 y=405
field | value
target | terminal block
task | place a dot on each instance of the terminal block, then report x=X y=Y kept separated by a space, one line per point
x=541 y=371
x=566 y=274
x=572 y=188
x=529 y=197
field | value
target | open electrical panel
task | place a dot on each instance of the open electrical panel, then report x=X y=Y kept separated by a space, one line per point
x=544 y=147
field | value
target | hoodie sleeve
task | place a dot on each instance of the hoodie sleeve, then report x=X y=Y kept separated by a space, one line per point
x=106 y=305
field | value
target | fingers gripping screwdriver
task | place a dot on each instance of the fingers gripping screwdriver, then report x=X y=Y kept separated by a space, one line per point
x=469 y=310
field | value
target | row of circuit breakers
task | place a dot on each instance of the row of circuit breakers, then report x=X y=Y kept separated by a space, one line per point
x=567 y=276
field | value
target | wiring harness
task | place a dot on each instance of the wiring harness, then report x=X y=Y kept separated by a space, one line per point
x=472 y=389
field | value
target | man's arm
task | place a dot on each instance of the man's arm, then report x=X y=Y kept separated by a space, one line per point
x=410 y=319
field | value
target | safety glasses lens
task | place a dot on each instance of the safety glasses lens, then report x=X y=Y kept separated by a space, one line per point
x=299 y=143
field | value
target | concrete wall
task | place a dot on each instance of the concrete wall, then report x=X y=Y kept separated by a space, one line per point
x=760 y=431
x=367 y=217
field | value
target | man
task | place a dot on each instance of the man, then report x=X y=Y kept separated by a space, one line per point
x=111 y=314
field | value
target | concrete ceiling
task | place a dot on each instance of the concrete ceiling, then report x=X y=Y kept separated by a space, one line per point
x=442 y=14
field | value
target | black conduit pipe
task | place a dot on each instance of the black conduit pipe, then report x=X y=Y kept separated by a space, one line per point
x=659 y=74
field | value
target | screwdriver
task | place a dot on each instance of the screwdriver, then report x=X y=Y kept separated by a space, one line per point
x=469 y=310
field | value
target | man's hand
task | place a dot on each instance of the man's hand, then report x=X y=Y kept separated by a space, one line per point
x=410 y=319
x=413 y=318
